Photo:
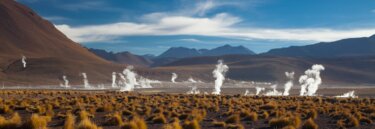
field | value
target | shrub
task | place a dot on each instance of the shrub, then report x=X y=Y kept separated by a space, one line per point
x=69 y=121
x=87 y=124
x=5 y=109
x=269 y=106
x=218 y=124
x=14 y=122
x=279 y=122
x=160 y=119
x=84 y=115
x=174 y=125
x=253 y=116
x=309 y=124
x=233 y=119
x=340 y=124
x=129 y=125
x=193 y=124
x=37 y=122
x=312 y=114
x=235 y=126
x=265 y=115
x=115 y=120
x=141 y=124
x=353 y=122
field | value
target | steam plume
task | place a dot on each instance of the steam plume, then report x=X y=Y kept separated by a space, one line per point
x=130 y=79
x=259 y=89
x=288 y=85
x=145 y=83
x=273 y=92
x=194 y=90
x=349 y=94
x=85 y=81
x=23 y=60
x=219 y=74
x=114 y=80
x=192 y=80
x=311 y=80
x=174 y=77
x=246 y=93
x=66 y=82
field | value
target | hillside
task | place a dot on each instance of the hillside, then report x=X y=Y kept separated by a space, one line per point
x=364 y=46
x=271 y=68
x=50 y=54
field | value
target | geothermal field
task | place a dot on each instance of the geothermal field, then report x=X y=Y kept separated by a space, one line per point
x=135 y=102
x=187 y=64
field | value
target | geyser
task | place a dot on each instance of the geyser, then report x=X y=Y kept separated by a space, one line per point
x=311 y=80
x=273 y=92
x=289 y=84
x=192 y=80
x=23 y=60
x=193 y=90
x=131 y=80
x=259 y=89
x=85 y=81
x=349 y=94
x=114 y=85
x=145 y=83
x=66 y=82
x=174 y=77
x=219 y=74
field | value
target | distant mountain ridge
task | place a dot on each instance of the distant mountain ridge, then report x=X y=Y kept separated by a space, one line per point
x=364 y=46
x=183 y=52
x=122 y=57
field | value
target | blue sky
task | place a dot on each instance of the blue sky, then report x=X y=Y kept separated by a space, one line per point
x=152 y=26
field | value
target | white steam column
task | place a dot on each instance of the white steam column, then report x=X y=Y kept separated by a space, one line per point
x=349 y=94
x=114 y=80
x=85 y=81
x=23 y=60
x=66 y=82
x=259 y=89
x=288 y=85
x=174 y=77
x=311 y=80
x=219 y=74
x=131 y=80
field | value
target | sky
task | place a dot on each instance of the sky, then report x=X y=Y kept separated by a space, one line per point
x=153 y=26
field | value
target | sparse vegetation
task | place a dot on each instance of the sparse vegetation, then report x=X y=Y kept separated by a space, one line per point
x=83 y=110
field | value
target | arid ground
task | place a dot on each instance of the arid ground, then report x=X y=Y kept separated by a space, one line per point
x=145 y=109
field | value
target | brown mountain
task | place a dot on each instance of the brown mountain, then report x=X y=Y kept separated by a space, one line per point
x=122 y=57
x=342 y=71
x=50 y=54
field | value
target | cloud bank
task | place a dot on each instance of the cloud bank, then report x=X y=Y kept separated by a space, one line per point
x=220 y=25
x=193 y=21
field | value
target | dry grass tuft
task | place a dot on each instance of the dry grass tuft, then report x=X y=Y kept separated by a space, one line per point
x=310 y=124
x=69 y=121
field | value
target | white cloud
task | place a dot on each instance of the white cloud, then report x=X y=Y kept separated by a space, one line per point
x=220 y=25
x=190 y=40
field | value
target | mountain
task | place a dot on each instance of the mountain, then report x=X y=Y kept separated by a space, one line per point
x=347 y=71
x=364 y=46
x=182 y=52
x=228 y=50
x=122 y=57
x=175 y=53
x=149 y=56
x=50 y=54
